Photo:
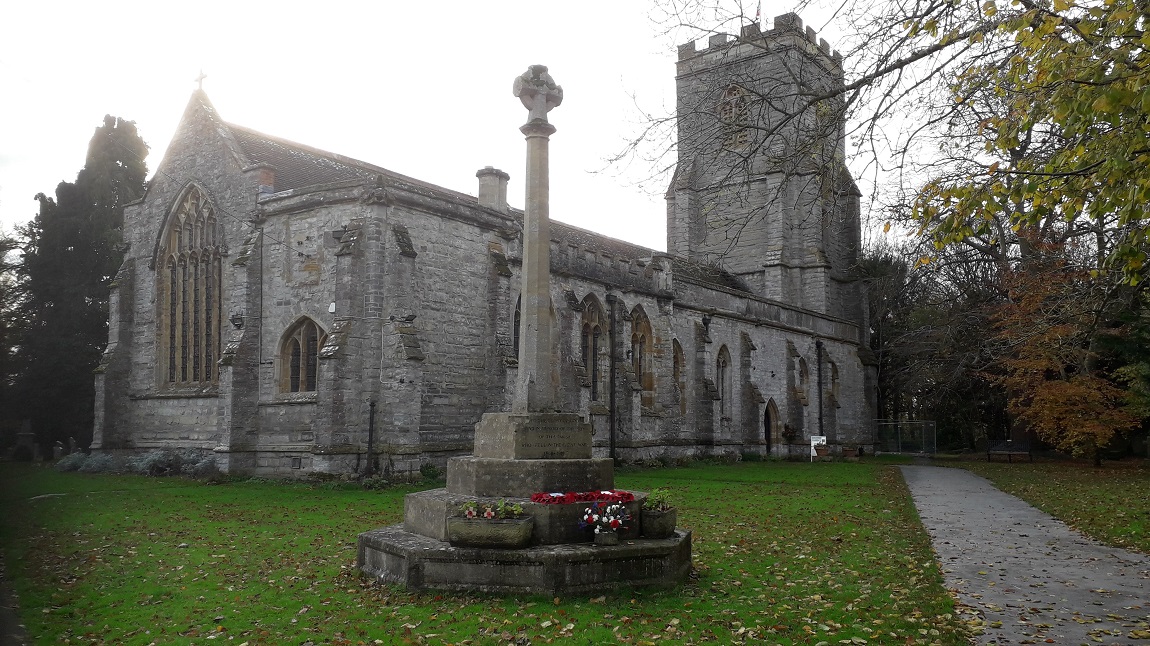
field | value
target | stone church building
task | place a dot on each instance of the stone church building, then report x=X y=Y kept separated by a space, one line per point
x=278 y=303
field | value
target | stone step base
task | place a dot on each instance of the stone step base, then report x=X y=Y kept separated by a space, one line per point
x=393 y=555
x=426 y=512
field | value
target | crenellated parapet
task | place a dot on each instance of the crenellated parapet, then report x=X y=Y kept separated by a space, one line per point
x=788 y=30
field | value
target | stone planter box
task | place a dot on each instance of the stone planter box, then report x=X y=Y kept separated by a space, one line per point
x=822 y=451
x=508 y=533
x=658 y=524
x=850 y=452
x=607 y=538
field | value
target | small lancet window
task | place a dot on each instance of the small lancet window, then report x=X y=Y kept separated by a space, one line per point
x=642 y=355
x=723 y=381
x=593 y=345
x=300 y=357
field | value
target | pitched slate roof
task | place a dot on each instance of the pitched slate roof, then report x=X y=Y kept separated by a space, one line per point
x=299 y=166
x=296 y=166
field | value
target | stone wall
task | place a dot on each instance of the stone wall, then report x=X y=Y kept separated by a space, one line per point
x=414 y=289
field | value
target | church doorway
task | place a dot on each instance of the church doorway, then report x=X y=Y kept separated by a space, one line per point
x=770 y=420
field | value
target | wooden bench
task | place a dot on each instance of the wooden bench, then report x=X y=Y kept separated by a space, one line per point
x=1010 y=449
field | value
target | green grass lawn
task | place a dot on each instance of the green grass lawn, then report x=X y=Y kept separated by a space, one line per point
x=1111 y=504
x=785 y=553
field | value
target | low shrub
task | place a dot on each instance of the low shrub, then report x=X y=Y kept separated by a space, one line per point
x=157 y=462
x=100 y=463
x=203 y=468
x=72 y=461
x=165 y=462
x=429 y=471
x=375 y=483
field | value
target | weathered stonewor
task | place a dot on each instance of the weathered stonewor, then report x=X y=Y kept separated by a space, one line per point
x=533 y=448
x=519 y=454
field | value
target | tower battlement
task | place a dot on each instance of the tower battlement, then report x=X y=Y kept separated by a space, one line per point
x=786 y=26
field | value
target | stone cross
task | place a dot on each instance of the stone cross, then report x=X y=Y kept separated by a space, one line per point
x=537 y=386
x=538 y=92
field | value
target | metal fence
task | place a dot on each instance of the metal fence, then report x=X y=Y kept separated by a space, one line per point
x=893 y=436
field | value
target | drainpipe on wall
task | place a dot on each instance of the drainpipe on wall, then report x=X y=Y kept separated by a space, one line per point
x=819 y=358
x=611 y=419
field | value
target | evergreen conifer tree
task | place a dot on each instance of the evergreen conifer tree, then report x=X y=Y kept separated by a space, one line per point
x=72 y=252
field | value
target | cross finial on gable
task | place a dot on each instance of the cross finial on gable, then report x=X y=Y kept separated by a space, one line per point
x=200 y=80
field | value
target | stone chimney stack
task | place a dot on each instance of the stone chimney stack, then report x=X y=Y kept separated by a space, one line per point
x=266 y=177
x=493 y=188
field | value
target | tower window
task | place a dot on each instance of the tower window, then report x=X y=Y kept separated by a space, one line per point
x=735 y=116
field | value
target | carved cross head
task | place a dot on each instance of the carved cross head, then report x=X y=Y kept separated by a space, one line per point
x=538 y=92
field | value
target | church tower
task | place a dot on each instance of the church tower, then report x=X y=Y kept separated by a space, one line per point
x=761 y=188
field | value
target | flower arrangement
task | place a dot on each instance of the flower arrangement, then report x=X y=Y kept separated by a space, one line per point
x=605 y=517
x=570 y=497
x=490 y=510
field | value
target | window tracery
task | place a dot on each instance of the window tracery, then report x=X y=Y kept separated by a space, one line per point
x=593 y=345
x=189 y=284
x=642 y=345
x=723 y=381
x=734 y=116
x=299 y=357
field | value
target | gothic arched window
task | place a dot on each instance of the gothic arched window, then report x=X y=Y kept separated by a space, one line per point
x=593 y=345
x=678 y=373
x=734 y=116
x=188 y=285
x=834 y=394
x=642 y=355
x=299 y=357
x=723 y=381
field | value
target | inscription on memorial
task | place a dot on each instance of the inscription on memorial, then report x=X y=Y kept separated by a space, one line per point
x=555 y=436
x=551 y=441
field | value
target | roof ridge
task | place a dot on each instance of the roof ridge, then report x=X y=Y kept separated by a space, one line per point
x=344 y=159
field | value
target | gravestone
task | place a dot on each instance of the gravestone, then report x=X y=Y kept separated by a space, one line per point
x=533 y=448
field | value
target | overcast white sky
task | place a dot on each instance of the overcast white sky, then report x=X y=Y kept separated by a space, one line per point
x=423 y=89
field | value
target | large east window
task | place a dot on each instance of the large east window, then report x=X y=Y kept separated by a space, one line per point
x=188 y=280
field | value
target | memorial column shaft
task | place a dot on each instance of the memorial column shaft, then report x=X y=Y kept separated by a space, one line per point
x=536 y=388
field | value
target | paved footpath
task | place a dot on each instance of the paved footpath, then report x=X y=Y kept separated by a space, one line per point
x=1033 y=579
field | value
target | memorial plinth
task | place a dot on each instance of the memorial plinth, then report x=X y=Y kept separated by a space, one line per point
x=532 y=449
x=518 y=454
x=421 y=563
